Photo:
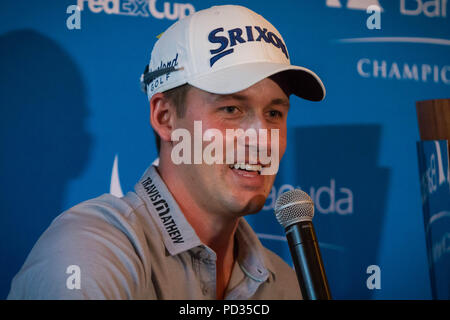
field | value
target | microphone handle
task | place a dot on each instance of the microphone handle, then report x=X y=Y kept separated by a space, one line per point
x=308 y=263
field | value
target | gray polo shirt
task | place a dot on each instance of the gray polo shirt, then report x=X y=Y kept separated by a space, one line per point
x=141 y=246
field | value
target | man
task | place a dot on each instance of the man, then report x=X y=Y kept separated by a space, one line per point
x=181 y=233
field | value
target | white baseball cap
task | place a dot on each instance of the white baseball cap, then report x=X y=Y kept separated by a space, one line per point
x=223 y=50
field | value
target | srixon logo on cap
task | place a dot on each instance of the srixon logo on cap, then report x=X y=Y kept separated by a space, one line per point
x=238 y=36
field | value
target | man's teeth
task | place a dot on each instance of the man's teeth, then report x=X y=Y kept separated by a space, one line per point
x=248 y=167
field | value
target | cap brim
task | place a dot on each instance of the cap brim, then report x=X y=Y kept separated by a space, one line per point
x=302 y=82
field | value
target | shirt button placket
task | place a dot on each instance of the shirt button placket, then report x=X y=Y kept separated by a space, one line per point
x=205 y=290
x=207 y=274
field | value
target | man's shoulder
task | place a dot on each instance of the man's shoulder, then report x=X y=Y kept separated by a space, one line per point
x=118 y=219
x=105 y=209
x=103 y=237
x=107 y=204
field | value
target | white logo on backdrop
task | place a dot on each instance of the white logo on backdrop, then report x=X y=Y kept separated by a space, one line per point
x=327 y=199
x=354 y=4
x=114 y=188
x=441 y=247
x=429 y=9
x=143 y=8
x=434 y=176
x=372 y=68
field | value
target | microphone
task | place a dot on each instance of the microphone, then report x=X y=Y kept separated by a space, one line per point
x=294 y=210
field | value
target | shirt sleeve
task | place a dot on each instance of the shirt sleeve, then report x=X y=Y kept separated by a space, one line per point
x=91 y=251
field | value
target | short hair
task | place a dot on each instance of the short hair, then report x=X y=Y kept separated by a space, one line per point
x=176 y=97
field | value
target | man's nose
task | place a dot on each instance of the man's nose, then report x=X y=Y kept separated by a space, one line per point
x=263 y=141
x=255 y=121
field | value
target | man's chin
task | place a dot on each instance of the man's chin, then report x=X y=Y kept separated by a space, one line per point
x=253 y=205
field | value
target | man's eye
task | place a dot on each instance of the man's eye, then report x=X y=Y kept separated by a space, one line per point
x=229 y=109
x=275 y=114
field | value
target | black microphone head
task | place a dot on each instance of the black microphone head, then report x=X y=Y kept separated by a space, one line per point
x=294 y=206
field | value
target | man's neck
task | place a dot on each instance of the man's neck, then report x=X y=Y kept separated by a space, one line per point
x=215 y=231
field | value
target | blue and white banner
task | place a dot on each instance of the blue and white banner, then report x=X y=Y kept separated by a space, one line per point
x=75 y=123
x=435 y=182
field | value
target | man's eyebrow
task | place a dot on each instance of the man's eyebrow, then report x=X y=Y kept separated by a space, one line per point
x=235 y=96
x=279 y=102
x=240 y=97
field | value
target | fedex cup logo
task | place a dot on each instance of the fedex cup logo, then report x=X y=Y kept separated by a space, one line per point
x=238 y=36
x=141 y=8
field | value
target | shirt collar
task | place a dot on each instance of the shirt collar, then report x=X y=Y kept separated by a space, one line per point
x=177 y=233
x=179 y=236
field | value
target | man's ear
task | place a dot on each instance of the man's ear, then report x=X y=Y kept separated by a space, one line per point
x=162 y=116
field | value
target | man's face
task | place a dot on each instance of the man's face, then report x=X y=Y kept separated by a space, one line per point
x=220 y=188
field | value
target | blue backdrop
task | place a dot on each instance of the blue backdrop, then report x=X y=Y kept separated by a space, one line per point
x=71 y=104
